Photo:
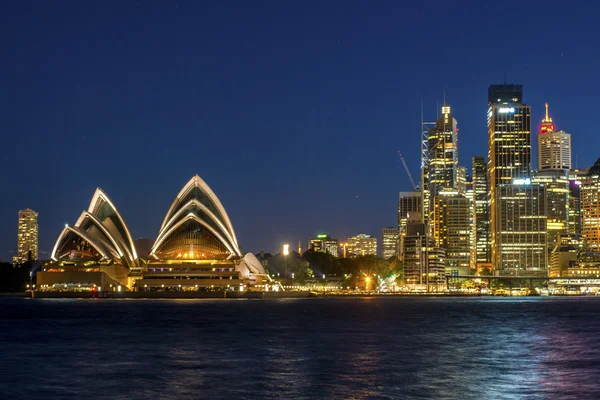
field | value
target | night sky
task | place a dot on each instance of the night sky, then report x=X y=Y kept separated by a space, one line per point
x=291 y=111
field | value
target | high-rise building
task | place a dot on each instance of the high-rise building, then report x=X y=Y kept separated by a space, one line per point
x=590 y=208
x=554 y=147
x=509 y=148
x=556 y=183
x=325 y=244
x=481 y=213
x=27 y=236
x=521 y=238
x=423 y=261
x=462 y=179
x=574 y=222
x=362 y=245
x=389 y=242
x=408 y=202
x=452 y=230
x=442 y=145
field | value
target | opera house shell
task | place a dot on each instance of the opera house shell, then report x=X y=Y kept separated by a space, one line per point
x=196 y=249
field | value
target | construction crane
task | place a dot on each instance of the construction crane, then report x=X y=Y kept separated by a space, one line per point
x=412 y=181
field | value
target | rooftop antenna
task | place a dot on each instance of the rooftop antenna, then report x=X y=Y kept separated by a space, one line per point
x=505 y=77
x=445 y=104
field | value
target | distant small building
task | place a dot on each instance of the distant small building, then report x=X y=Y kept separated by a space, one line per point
x=325 y=244
x=362 y=245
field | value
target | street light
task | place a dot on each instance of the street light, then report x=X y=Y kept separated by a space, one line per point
x=286 y=252
x=345 y=247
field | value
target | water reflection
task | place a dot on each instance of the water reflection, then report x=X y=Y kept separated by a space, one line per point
x=416 y=348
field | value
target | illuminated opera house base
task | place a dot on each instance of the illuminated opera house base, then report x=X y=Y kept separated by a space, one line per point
x=196 y=250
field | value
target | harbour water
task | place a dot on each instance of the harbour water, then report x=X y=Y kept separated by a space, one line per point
x=394 y=348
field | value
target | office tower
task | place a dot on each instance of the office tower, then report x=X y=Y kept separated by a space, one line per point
x=442 y=146
x=556 y=183
x=452 y=230
x=469 y=194
x=389 y=242
x=324 y=244
x=481 y=214
x=27 y=236
x=590 y=208
x=461 y=179
x=554 y=147
x=362 y=245
x=424 y=262
x=509 y=147
x=521 y=238
x=408 y=202
x=574 y=221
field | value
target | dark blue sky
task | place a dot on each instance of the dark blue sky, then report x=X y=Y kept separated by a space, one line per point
x=292 y=111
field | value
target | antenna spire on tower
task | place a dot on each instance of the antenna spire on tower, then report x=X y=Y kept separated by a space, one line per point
x=547 y=119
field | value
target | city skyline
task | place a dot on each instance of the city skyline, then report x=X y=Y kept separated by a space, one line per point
x=150 y=129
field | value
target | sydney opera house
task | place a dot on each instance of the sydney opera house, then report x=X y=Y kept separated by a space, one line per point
x=196 y=249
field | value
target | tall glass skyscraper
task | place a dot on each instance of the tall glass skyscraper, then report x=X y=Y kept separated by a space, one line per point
x=509 y=147
x=442 y=156
x=481 y=215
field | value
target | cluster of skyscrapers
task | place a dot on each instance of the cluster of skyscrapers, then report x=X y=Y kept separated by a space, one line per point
x=505 y=218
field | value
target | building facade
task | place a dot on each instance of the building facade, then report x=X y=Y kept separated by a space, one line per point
x=423 y=261
x=509 y=148
x=408 y=202
x=481 y=213
x=590 y=208
x=521 y=240
x=389 y=242
x=556 y=183
x=362 y=245
x=27 y=236
x=325 y=244
x=452 y=230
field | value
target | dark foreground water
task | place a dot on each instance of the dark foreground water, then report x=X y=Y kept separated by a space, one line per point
x=397 y=348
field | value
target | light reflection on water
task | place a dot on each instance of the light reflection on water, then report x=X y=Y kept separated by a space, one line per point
x=411 y=348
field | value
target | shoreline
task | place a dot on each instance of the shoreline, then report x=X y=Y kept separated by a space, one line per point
x=247 y=295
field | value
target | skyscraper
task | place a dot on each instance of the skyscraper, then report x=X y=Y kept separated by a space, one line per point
x=27 y=236
x=509 y=147
x=554 y=147
x=556 y=183
x=389 y=242
x=462 y=178
x=452 y=230
x=590 y=208
x=574 y=222
x=521 y=238
x=481 y=214
x=442 y=145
